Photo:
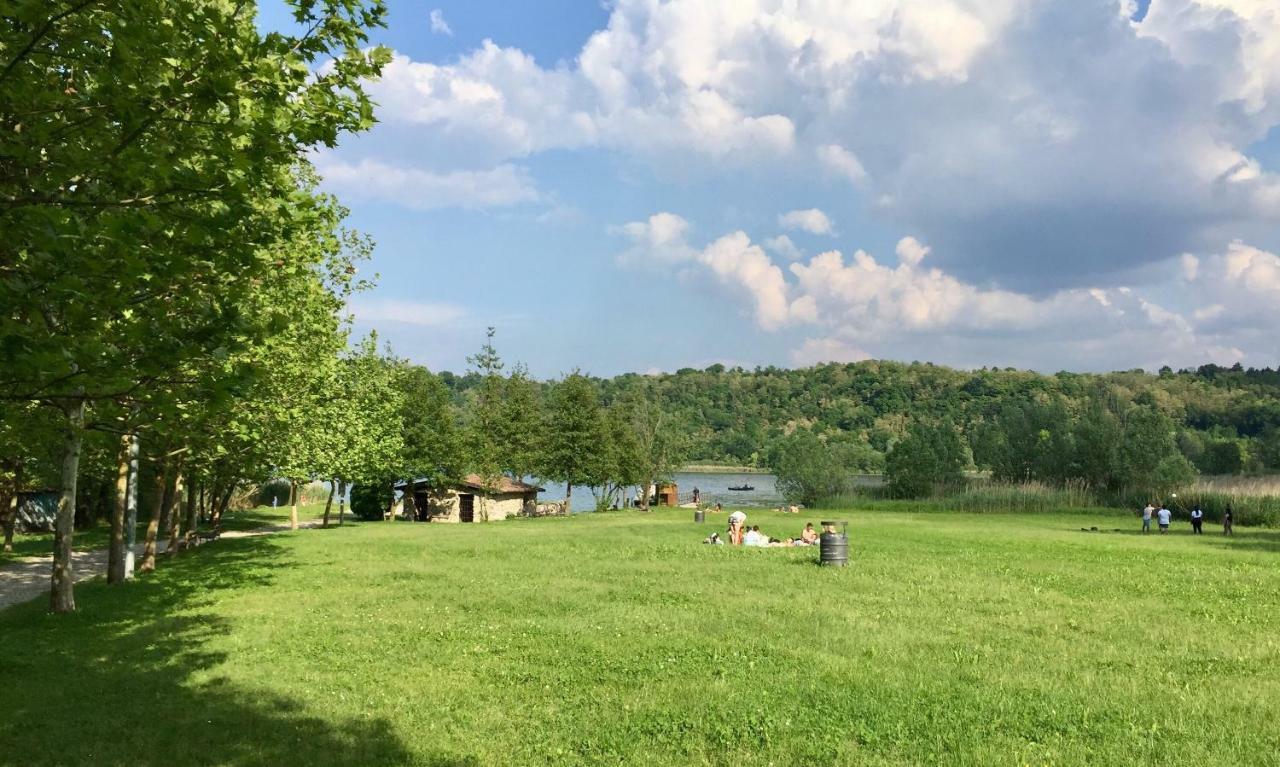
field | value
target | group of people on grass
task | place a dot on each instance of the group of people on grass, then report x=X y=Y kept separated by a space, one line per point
x=739 y=534
x=1163 y=517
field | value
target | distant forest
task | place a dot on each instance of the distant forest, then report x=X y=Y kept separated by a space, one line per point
x=1227 y=419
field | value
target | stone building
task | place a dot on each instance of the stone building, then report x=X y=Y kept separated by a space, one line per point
x=470 y=500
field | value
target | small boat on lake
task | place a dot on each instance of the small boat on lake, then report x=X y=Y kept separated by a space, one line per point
x=742 y=488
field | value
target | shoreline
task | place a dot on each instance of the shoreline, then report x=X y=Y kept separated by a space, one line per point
x=715 y=468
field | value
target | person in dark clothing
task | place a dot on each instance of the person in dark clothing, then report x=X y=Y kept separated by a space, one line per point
x=1197 y=520
x=1227 y=521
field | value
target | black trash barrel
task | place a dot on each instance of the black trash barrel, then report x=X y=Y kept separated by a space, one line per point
x=699 y=516
x=834 y=549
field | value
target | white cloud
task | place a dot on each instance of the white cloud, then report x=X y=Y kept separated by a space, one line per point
x=816 y=351
x=438 y=25
x=812 y=221
x=857 y=307
x=502 y=186
x=405 y=312
x=911 y=251
x=784 y=247
x=950 y=115
x=843 y=163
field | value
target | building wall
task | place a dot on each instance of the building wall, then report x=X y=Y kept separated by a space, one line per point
x=498 y=507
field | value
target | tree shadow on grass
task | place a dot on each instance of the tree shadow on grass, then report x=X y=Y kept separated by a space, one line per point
x=115 y=683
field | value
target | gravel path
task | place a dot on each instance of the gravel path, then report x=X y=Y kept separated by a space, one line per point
x=29 y=577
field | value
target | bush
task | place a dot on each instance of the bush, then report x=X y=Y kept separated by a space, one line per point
x=370 y=501
x=927 y=461
x=809 y=468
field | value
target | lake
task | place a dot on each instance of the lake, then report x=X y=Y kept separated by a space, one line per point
x=714 y=487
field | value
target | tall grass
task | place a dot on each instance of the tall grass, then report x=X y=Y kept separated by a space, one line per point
x=983 y=497
x=1254 y=501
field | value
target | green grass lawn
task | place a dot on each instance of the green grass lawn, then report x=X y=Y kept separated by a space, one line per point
x=619 y=638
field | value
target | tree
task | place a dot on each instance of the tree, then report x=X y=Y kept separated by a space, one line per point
x=431 y=445
x=1148 y=460
x=659 y=449
x=811 y=468
x=928 y=459
x=484 y=414
x=1225 y=456
x=577 y=435
x=147 y=150
x=519 y=425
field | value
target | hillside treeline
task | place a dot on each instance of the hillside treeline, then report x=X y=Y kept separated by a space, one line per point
x=1017 y=423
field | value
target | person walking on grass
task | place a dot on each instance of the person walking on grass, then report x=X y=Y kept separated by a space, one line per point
x=1197 y=520
x=1163 y=516
x=1227 y=520
x=1146 y=517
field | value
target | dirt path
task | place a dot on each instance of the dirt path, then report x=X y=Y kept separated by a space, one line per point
x=28 y=577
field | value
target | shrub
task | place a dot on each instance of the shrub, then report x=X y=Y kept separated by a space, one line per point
x=927 y=461
x=370 y=501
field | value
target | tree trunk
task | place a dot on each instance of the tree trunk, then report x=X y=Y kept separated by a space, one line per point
x=175 y=518
x=293 y=504
x=153 y=524
x=342 y=502
x=568 y=497
x=115 y=552
x=333 y=488
x=62 y=597
x=644 y=494
x=201 y=517
x=223 y=503
x=391 y=505
x=131 y=508
x=192 y=511
x=15 y=502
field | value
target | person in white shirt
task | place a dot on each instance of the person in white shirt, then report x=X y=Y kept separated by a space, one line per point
x=1163 y=516
x=1197 y=520
x=1146 y=518
x=754 y=538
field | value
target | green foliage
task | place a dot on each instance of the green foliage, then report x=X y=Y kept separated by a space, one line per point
x=431 y=443
x=810 y=468
x=1224 y=456
x=578 y=436
x=370 y=500
x=928 y=460
x=519 y=427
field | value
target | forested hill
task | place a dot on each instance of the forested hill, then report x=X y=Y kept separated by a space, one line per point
x=1229 y=418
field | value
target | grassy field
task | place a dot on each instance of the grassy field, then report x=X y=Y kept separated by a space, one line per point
x=620 y=639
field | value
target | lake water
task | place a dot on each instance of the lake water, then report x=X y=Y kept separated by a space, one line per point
x=714 y=488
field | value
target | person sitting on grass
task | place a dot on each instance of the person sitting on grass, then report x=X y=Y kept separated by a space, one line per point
x=754 y=538
x=808 y=536
x=1163 y=516
x=736 y=522
x=714 y=539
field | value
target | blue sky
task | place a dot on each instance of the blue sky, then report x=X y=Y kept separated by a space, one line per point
x=640 y=186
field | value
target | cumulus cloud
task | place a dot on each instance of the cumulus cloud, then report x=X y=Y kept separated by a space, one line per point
x=812 y=221
x=951 y=117
x=842 y=162
x=503 y=186
x=856 y=306
x=438 y=25
x=417 y=313
x=784 y=247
